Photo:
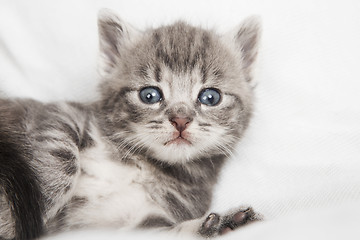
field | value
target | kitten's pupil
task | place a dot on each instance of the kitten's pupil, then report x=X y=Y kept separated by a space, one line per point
x=150 y=95
x=210 y=98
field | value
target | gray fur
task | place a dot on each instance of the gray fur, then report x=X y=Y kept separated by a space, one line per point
x=155 y=222
x=180 y=60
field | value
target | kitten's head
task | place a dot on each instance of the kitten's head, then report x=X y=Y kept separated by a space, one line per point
x=177 y=93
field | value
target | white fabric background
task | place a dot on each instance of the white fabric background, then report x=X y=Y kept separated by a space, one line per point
x=298 y=164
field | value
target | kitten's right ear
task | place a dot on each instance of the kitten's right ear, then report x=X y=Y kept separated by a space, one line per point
x=114 y=35
x=246 y=39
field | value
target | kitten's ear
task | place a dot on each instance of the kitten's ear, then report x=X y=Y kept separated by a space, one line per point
x=114 y=35
x=246 y=38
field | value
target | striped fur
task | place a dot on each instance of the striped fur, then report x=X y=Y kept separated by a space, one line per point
x=118 y=162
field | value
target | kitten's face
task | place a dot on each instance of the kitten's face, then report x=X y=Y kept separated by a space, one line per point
x=177 y=93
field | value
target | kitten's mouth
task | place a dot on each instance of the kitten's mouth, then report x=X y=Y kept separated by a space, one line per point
x=179 y=140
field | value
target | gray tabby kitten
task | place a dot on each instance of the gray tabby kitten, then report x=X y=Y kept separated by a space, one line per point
x=175 y=101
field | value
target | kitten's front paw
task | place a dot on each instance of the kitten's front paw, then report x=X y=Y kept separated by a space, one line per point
x=215 y=224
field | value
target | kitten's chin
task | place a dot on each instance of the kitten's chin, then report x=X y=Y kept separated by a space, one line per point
x=176 y=151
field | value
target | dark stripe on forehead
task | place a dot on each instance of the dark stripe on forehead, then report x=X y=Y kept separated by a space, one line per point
x=194 y=61
x=218 y=73
x=142 y=71
x=204 y=74
x=157 y=73
x=188 y=59
x=206 y=63
x=181 y=47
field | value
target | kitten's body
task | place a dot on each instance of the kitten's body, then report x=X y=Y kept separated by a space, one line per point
x=120 y=162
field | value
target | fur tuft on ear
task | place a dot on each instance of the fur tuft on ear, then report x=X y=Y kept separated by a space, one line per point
x=114 y=34
x=247 y=36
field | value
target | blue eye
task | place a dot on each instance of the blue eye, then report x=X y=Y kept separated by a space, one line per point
x=209 y=96
x=150 y=95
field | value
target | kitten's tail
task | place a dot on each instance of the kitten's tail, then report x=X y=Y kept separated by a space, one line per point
x=19 y=184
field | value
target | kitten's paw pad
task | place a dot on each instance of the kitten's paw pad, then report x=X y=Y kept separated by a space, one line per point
x=218 y=225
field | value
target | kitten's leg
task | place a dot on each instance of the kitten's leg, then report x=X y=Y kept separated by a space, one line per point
x=58 y=135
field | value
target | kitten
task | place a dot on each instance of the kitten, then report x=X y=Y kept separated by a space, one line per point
x=175 y=101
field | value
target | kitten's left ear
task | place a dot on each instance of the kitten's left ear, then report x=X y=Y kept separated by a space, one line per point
x=114 y=36
x=246 y=38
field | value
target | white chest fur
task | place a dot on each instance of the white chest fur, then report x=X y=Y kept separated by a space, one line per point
x=113 y=191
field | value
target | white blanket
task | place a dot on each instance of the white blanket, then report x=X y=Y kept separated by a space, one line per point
x=299 y=163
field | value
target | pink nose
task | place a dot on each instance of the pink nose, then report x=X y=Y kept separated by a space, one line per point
x=180 y=123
